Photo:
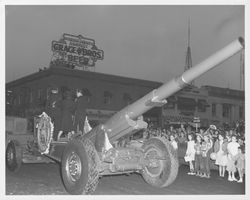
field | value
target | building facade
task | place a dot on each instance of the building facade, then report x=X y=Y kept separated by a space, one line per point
x=212 y=105
x=106 y=94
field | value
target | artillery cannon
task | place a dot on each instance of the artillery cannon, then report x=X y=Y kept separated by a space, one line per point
x=84 y=158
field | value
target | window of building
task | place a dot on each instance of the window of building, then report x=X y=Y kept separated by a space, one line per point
x=15 y=100
x=202 y=105
x=107 y=97
x=213 y=109
x=127 y=98
x=87 y=94
x=47 y=92
x=26 y=94
x=63 y=89
x=9 y=97
x=185 y=103
x=19 y=99
x=39 y=93
x=31 y=96
x=23 y=99
x=226 y=110
x=170 y=103
x=241 y=112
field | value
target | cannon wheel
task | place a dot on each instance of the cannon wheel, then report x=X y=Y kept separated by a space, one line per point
x=79 y=167
x=13 y=156
x=165 y=159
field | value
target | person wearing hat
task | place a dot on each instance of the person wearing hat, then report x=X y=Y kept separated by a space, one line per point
x=67 y=109
x=198 y=159
x=232 y=149
x=220 y=148
x=206 y=145
x=80 y=111
x=190 y=153
x=52 y=108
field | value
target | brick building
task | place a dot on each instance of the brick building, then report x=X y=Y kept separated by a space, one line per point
x=105 y=94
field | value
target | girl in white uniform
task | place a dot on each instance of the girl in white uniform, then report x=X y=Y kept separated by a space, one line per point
x=232 y=149
x=190 y=153
x=220 y=148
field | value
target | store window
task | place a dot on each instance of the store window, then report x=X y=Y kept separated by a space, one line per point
x=202 y=105
x=185 y=103
x=9 y=97
x=19 y=99
x=107 y=97
x=87 y=94
x=171 y=101
x=14 y=100
x=31 y=96
x=226 y=110
x=39 y=93
x=47 y=92
x=127 y=98
x=213 y=109
x=241 y=113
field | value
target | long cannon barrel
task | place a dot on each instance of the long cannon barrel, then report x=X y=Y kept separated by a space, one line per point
x=126 y=121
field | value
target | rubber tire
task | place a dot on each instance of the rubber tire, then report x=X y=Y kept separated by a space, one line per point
x=170 y=165
x=89 y=178
x=16 y=163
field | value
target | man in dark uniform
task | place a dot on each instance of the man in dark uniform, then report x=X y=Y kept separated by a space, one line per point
x=67 y=109
x=52 y=108
x=80 y=112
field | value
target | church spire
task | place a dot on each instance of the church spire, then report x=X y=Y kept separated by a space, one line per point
x=188 y=63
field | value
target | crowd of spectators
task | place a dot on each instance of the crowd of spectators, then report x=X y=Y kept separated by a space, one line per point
x=201 y=146
x=181 y=132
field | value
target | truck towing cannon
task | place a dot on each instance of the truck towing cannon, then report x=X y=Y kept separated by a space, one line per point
x=84 y=158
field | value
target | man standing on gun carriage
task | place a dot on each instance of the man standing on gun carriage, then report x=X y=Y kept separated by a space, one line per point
x=80 y=111
x=53 y=109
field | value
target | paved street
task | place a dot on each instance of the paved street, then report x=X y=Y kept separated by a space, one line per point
x=40 y=179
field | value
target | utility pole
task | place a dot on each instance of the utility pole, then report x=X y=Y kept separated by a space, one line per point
x=242 y=71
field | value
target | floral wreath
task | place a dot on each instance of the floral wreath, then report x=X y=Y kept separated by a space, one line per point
x=45 y=130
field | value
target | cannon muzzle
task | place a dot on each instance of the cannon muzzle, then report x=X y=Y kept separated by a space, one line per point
x=126 y=121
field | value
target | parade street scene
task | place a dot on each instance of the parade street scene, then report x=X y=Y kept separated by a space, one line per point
x=125 y=100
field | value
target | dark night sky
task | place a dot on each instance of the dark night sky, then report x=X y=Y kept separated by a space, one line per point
x=146 y=42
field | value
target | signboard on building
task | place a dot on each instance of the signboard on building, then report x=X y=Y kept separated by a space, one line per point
x=196 y=122
x=75 y=51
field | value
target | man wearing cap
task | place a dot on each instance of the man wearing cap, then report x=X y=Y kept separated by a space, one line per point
x=52 y=108
x=80 y=111
x=67 y=109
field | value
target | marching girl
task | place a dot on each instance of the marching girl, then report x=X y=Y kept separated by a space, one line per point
x=198 y=163
x=173 y=142
x=220 y=148
x=232 y=149
x=205 y=156
x=240 y=162
x=190 y=153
